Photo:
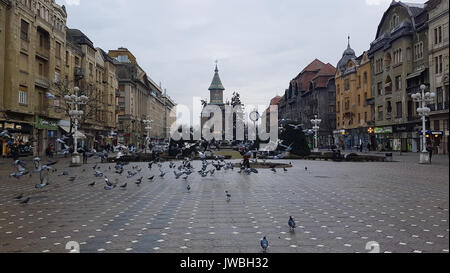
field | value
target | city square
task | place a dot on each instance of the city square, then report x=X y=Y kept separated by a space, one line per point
x=403 y=211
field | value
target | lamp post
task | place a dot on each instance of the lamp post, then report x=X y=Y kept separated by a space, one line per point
x=76 y=114
x=148 y=128
x=316 y=122
x=424 y=98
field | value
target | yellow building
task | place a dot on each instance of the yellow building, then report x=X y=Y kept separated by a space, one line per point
x=354 y=116
x=34 y=40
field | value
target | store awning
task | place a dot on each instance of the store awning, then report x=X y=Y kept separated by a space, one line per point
x=415 y=74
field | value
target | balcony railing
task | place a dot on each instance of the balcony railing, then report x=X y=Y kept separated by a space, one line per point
x=43 y=52
x=42 y=81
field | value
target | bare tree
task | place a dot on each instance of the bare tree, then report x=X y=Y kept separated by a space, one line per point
x=65 y=87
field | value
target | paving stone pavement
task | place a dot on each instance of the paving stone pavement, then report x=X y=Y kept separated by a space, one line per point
x=338 y=207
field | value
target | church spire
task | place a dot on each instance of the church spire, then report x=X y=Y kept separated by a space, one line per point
x=216 y=83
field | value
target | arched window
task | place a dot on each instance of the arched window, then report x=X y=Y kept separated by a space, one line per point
x=387 y=60
x=388 y=85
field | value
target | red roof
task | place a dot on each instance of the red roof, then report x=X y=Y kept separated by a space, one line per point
x=316 y=71
x=274 y=101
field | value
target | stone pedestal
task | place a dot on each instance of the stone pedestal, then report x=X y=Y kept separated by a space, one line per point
x=424 y=158
x=76 y=160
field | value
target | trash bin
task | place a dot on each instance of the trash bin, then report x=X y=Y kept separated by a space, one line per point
x=389 y=157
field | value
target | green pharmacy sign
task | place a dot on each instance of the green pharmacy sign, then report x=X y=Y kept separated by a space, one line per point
x=41 y=123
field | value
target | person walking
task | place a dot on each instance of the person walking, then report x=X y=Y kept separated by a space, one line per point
x=430 y=151
x=85 y=155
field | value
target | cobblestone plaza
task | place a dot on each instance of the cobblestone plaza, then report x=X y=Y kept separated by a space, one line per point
x=338 y=207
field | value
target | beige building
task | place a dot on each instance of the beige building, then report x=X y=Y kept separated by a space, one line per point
x=34 y=39
x=93 y=71
x=140 y=98
x=438 y=46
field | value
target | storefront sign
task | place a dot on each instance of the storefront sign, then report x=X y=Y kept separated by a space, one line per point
x=437 y=133
x=385 y=130
x=41 y=123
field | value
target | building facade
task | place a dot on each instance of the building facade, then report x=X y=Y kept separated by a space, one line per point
x=438 y=49
x=311 y=93
x=399 y=62
x=34 y=39
x=353 y=88
x=139 y=99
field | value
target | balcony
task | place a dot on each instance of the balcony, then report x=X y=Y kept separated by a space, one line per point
x=43 y=53
x=42 y=81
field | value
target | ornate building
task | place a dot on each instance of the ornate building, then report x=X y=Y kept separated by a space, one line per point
x=438 y=45
x=312 y=92
x=32 y=37
x=399 y=59
x=353 y=88
x=139 y=99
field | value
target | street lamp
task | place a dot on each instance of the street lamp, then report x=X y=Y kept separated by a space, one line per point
x=424 y=98
x=148 y=128
x=316 y=122
x=76 y=114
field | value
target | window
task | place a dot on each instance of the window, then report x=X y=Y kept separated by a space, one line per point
x=359 y=81
x=347 y=104
x=380 y=112
x=359 y=100
x=437 y=126
x=398 y=83
x=380 y=88
x=399 y=109
x=398 y=59
x=438 y=64
x=438 y=35
x=379 y=65
x=58 y=50
x=77 y=62
x=365 y=117
x=347 y=84
x=91 y=69
x=24 y=30
x=389 y=107
x=359 y=117
x=365 y=78
x=388 y=86
x=418 y=51
x=67 y=58
x=23 y=95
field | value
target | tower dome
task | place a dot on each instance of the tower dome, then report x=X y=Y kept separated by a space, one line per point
x=348 y=54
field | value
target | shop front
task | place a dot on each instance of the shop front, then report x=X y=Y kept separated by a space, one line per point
x=20 y=133
x=47 y=134
x=384 y=138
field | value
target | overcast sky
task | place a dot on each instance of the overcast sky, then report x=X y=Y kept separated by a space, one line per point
x=260 y=44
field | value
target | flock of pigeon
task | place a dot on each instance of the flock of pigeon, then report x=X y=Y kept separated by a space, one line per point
x=183 y=171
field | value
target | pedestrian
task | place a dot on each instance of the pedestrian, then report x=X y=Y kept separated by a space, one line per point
x=85 y=155
x=430 y=151
x=361 y=148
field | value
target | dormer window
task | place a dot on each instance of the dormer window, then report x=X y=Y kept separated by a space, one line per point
x=394 y=21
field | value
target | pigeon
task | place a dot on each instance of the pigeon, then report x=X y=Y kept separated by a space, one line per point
x=178 y=174
x=26 y=201
x=41 y=186
x=72 y=179
x=4 y=133
x=188 y=187
x=98 y=174
x=228 y=195
x=92 y=184
x=108 y=183
x=124 y=186
x=151 y=178
x=50 y=96
x=108 y=188
x=64 y=173
x=95 y=167
x=138 y=182
x=274 y=170
x=162 y=173
x=285 y=170
x=291 y=224
x=264 y=244
x=20 y=196
x=306 y=168
x=21 y=171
